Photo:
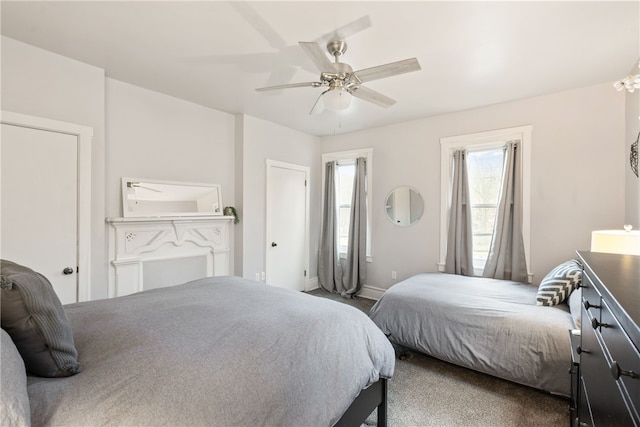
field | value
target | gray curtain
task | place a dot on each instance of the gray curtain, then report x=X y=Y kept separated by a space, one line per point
x=506 y=258
x=355 y=269
x=329 y=268
x=459 y=258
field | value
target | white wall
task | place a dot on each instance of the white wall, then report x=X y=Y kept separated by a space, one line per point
x=262 y=140
x=44 y=84
x=632 y=182
x=137 y=132
x=577 y=175
x=156 y=136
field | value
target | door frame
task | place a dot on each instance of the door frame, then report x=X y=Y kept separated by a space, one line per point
x=84 y=135
x=307 y=171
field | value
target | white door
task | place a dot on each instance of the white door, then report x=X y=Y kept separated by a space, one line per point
x=39 y=189
x=286 y=225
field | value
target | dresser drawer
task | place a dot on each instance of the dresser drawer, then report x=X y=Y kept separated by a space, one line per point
x=584 y=418
x=623 y=355
x=590 y=293
x=606 y=403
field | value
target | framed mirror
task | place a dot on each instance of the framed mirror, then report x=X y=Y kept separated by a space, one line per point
x=153 y=198
x=404 y=206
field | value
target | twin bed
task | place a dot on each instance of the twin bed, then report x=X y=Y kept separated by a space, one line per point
x=214 y=352
x=492 y=326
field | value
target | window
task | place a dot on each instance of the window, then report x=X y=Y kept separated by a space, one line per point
x=345 y=173
x=485 y=158
x=485 y=178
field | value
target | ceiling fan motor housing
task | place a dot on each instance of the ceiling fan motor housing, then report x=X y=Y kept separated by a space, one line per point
x=337 y=47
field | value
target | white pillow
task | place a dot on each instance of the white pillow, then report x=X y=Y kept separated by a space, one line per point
x=575 y=306
x=14 y=409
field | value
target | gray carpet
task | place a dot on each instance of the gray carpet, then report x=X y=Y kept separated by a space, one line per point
x=428 y=392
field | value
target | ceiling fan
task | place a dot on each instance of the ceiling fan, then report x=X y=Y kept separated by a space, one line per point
x=340 y=79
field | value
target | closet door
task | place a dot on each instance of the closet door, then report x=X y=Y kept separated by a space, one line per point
x=39 y=213
x=287 y=225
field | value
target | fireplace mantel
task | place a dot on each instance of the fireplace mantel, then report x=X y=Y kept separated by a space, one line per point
x=147 y=253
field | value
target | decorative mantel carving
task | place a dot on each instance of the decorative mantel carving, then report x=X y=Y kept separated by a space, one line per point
x=134 y=241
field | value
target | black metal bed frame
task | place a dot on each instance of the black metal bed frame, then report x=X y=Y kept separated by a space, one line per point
x=375 y=396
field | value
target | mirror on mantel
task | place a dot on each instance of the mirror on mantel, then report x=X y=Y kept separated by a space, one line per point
x=154 y=198
x=404 y=206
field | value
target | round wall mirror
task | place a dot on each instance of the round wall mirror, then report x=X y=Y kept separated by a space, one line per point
x=404 y=206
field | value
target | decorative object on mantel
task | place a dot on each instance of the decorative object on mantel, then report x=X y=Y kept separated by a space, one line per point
x=633 y=156
x=231 y=211
x=630 y=83
x=625 y=241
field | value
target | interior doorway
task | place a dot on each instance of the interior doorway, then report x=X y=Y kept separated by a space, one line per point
x=45 y=193
x=287 y=231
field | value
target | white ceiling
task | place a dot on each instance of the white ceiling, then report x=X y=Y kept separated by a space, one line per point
x=216 y=53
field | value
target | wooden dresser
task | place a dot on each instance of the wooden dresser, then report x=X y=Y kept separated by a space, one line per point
x=609 y=373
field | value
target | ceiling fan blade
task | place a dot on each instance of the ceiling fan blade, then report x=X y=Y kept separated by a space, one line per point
x=371 y=95
x=245 y=10
x=388 y=70
x=346 y=30
x=317 y=55
x=135 y=185
x=290 y=85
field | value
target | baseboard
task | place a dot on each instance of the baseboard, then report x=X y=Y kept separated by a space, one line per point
x=371 y=292
x=368 y=292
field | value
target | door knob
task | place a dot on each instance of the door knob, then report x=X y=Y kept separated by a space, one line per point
x=274 y=244
x=67 y=271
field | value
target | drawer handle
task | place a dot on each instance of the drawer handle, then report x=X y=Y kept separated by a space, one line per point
x=581 y=350
x=595 y=324
x=616 y=371
x=588 y=305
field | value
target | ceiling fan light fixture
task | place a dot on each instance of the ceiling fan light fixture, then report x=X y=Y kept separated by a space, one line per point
x=337 y=99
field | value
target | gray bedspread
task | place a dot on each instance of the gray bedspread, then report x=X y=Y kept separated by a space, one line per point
x=492 y=326
x=214 y=352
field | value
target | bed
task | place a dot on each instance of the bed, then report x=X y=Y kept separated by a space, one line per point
x=219 y=351
x=492 y=326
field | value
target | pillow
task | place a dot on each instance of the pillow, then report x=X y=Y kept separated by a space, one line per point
x=33 y=316
x=575 y=306
x=14 y=404
x=559 y=282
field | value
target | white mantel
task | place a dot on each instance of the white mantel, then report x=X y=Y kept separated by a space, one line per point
x=146 y=253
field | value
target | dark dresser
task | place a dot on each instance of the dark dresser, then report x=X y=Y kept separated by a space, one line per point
x=608 y=387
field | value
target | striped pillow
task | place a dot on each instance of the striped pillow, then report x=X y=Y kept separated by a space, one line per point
x=558 y=284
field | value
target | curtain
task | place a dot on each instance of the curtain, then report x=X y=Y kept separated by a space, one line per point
x=329 y=268
x=459 y=258
x=506 y=258
x=355 y=268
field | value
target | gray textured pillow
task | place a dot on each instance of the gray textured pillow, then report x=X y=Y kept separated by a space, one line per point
x=14 y=401
x=558 y=284
x=35 y=319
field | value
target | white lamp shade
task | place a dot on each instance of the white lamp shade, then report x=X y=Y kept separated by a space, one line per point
x=616 y=242
x=336 y=99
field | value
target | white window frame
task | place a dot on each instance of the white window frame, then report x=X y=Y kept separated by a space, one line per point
x=479 y=141
x=351 y=155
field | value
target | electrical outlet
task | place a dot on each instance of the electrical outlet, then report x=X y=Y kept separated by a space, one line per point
x=394 y=275
x=258 y=276
x=263 y=275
